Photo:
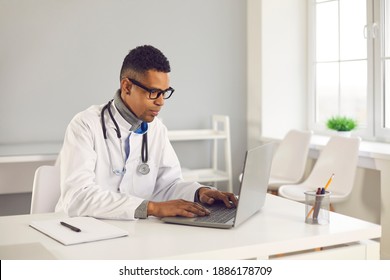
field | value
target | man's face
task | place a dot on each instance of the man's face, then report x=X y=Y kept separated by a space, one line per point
x=137 y=99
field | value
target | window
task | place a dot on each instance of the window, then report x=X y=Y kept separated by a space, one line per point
x=350 y=64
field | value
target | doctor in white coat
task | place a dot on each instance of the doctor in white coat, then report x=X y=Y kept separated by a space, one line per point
x=117 y=161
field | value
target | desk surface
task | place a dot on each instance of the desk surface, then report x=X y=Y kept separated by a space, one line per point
x=278 y=228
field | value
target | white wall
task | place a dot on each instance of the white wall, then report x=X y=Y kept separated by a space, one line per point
x=254 y=77
x=280 y=79
x=58 y=57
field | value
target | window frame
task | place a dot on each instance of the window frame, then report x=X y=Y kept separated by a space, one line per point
x=371 y=131
x=381 y=133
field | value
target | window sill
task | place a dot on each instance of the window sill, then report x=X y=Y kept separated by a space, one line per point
x=369 y=151
x=375 y=150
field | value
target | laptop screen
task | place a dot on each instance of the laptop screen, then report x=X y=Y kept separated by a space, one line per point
x=254 y=182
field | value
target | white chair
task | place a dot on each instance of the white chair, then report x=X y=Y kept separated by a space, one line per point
x=46 y=189
x=338 y=157
x=289 y=160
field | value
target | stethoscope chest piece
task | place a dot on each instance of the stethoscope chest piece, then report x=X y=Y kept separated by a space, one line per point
x=143 y=168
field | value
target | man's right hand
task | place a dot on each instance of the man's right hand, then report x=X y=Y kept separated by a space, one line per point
x=177 y=207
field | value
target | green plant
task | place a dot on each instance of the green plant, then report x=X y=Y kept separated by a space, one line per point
x=340 y=123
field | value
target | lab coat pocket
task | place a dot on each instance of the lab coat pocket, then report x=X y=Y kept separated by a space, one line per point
x=144 y=183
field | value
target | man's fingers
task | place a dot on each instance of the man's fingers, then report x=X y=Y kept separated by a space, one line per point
x=229 y=199
x=207 y=199
x=178 y=207
x=200 y=210
x=226 y=200
x=191 y=209
x=233 y=198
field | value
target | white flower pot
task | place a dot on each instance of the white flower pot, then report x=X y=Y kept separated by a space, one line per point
x=344 y=133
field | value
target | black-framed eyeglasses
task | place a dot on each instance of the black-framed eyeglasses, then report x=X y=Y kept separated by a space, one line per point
x=154 y=93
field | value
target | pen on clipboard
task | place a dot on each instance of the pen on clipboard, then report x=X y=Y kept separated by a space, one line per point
x=326 y=186
x=76 y=229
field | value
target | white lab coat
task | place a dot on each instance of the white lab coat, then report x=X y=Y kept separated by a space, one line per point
x=88 y=185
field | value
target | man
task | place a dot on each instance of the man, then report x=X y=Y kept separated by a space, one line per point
x=117 y=161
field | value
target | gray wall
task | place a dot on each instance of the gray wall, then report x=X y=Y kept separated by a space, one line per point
x=59 y=57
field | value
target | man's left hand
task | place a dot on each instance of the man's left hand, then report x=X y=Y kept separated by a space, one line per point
x=209 y=196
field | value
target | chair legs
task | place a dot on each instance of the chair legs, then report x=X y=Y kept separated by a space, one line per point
x=274 y=192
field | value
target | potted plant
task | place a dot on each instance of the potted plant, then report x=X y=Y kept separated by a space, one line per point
x=343 y=125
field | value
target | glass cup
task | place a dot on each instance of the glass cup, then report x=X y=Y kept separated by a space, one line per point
x=317 y=208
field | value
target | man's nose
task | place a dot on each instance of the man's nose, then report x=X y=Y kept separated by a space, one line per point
x=160 y=100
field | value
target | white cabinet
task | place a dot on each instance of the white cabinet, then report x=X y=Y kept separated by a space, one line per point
x=219 y=133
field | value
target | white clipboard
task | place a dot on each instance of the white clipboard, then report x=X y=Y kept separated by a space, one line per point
x=91 y=229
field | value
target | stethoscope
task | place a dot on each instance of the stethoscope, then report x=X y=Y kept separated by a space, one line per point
x=143 y=168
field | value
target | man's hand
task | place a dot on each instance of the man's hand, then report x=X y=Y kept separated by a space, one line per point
x=177 y=207
x=209 y=196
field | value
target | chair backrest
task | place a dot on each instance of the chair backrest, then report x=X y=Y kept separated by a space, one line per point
x=339 y=157
x=290 y=158
x=46 y=189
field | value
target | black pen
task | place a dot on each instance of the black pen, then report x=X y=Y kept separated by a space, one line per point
x=70 y=226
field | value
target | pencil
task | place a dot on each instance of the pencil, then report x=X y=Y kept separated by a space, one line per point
x=329 y=181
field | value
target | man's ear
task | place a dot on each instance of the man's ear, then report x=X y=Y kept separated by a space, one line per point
x=126 y=86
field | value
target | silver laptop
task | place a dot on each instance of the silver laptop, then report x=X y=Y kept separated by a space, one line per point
x=253 y=190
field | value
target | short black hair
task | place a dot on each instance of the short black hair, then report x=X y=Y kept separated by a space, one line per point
x=142 y=59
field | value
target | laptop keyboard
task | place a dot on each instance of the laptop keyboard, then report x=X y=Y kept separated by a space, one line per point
x=219 y=214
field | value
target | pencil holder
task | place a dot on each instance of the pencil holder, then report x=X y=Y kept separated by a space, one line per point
x=317 y=208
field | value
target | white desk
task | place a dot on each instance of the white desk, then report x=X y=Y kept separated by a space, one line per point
x=278 y=228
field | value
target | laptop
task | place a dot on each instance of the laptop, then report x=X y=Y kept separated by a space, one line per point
x=252 y=193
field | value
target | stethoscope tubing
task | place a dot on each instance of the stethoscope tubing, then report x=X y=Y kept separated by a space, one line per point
x=144 y=148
